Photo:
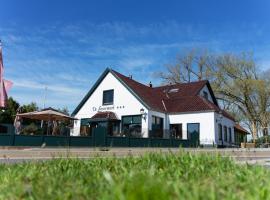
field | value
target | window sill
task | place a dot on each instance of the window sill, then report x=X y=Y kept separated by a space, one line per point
x=107 y=104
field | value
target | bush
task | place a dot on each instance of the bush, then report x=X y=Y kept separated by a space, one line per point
x=31 y=129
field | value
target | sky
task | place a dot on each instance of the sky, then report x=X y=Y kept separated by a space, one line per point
x=65 y=45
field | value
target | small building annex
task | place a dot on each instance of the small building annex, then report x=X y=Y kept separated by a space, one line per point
x=126 y=107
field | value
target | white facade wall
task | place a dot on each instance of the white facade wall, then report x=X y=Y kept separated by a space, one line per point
x=124 y=104
x=206 y=121
x=224 y=122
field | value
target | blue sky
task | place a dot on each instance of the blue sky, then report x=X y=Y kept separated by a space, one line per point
x=65 y=45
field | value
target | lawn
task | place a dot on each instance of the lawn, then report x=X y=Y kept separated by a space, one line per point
x=153 y=176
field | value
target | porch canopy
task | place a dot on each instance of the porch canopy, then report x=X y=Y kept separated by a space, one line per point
x=104 y=116
x=240 y=129
x=47 y=114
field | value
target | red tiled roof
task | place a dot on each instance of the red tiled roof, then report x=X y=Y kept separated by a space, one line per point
x=146 y=93
x=105 y=115
x=189 y=104
x=240 y=129
x=175 y=98
x=185 y=89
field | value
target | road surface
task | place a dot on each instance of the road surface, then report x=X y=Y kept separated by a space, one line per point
x=25 y=154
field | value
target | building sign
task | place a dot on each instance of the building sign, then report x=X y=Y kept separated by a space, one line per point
x=106 y=108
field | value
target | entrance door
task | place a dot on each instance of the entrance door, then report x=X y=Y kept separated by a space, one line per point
x=193 y=131
x=99 y=135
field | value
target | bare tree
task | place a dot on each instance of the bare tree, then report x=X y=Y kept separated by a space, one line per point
x=234 y=79
x=189 y=66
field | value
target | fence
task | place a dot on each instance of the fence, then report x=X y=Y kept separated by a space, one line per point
x=98 y=139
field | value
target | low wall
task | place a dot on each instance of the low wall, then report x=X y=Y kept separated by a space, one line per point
x=7 y=129
x=99 y=139
x=79 y=141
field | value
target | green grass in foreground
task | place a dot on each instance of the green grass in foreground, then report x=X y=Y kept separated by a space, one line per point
x=153 y=176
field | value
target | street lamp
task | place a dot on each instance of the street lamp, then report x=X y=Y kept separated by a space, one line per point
x=143 y=113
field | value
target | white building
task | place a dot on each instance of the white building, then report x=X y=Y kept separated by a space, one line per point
x=125 y=106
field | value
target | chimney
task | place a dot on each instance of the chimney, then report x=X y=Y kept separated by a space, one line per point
x=150 y=84
x=130 y=76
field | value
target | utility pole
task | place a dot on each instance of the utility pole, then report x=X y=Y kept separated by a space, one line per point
x=44 y=102
x=45 y=96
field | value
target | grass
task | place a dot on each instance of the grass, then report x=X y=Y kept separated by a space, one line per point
x=153 y=176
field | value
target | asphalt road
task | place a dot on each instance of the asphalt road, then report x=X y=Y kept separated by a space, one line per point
x=11 y=155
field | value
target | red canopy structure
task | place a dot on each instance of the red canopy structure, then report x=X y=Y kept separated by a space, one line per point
x=5 y=85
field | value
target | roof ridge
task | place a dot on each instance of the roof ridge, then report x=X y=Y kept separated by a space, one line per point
x=175 y=84
x=118 y=73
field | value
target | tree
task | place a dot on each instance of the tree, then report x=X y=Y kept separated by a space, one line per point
x=236 y=83
x=264 y=100
x=235 y=79
x=64 y=110
x=29 y=107
x=191 y=65
x=8 y=115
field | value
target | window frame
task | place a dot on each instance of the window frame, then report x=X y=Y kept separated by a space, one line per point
x=220 y=132
x=132 y=116
x=225 y=133
x=157 y=129
x=230 y=134
x=205 y=95
x=109 y=103
x=199 y=128
x=179 y=134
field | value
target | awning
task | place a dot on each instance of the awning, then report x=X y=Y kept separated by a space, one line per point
x=240 y=129
x=48 y=114
x=100 y=117
x=105 y=115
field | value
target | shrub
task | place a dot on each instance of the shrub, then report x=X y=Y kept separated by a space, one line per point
x=31 y=129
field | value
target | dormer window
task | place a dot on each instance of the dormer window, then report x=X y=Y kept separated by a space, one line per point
x=108 y=97
x=174 y=90
x=205 y=95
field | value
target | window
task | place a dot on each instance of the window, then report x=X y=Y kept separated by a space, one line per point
x=219 y=132
x=193 y=130
x=225 y=134
x=157 y=127
x=132 y=125
x=176 y=131
x=108 y=97
x=114 y=128
x=230 y=135
x=205 y=95
x=85 y=129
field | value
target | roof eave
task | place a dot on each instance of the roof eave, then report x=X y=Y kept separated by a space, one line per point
x=86 y=97
x=103 y=75
x=131 y=91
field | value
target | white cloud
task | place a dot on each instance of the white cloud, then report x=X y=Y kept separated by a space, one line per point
x=68 y=58
x=66 y=89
